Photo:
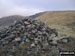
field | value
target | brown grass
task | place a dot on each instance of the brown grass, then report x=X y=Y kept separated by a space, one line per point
x=60 y=21
x=58 y=17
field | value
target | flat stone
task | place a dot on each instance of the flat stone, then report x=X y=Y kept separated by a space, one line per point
x=18 y=39
x=26 y=22
x=64 y=40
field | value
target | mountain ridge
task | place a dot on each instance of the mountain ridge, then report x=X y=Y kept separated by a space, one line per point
x=8 y=20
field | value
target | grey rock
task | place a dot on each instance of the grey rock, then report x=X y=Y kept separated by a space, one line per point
x=26 y=22
x=65 y=40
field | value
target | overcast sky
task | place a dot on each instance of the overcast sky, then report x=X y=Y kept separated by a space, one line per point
x=29 y=7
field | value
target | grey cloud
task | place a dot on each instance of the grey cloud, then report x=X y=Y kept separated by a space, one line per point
x=29 y=7
x=7 y=7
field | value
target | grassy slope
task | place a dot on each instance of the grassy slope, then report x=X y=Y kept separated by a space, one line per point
x=60 y=20
x=58 y=17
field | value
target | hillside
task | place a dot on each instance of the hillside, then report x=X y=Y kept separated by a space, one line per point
x=6 y=21
x=36 y=15
x=63 y=21
x=58 y=17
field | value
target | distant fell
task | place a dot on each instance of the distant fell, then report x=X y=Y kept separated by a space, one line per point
x=8 y=20
x=36 y=15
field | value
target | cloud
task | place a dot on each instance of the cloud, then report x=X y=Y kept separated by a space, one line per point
x=8 y=7
x=48 y=4
x=23 y=11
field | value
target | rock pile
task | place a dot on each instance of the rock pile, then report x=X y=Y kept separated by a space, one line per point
x=31 y=31
x=27 y=30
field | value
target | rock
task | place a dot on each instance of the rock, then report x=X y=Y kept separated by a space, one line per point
x=26 y=22
x=63 y=36
x=39 y=32
x=33 y=45
x=64 y=40
x=27 y=40
x=18 y=39
x=52 y=42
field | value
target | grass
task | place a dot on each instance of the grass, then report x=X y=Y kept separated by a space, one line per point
x=61 y=20
x=63 y=29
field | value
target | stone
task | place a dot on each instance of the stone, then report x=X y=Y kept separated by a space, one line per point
x=32 y=45
x=33 y=31
x=27 y=40
x=39 y=32
x=52 y=42
x=64 y=40
x=26 y=22
x=18 y=39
